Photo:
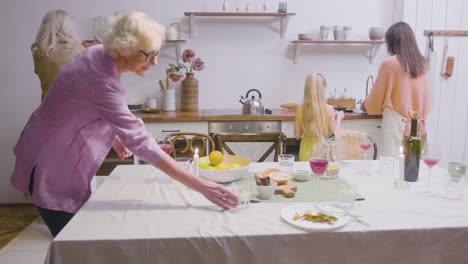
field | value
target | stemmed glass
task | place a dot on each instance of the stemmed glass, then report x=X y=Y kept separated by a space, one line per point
x=318 y=162
x=430 y=156
x=365 y=143
x=166 y=146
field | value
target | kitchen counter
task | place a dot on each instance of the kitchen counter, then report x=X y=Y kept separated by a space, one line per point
x=232 y=115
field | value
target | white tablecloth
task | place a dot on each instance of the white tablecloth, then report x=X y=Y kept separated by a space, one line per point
x=140 y=216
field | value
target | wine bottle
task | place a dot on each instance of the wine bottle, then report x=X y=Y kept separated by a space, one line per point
x=412 y=152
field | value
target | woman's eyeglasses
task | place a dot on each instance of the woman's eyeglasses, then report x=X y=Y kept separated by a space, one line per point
x=151 y=56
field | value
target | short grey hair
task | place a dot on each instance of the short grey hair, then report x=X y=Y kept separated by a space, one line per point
x=131 y=32
x=57 y=25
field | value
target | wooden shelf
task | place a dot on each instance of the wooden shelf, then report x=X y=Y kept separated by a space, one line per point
x=283 y=16
x=238 y=14
x=177 y=43
x=374 y=46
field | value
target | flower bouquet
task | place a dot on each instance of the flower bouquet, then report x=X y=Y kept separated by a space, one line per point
x=189 y=64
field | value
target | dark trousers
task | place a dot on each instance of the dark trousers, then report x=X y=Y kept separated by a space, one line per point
x=55 y=220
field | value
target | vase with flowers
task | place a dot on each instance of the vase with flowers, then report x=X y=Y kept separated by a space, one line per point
x=189 y=64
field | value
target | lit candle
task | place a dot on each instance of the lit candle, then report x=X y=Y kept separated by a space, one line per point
x=401 y=165
x=196 y=161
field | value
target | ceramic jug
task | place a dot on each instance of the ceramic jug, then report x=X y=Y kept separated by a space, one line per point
x=173 y=32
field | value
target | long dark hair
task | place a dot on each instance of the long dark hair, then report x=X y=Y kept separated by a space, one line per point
x=401 y=42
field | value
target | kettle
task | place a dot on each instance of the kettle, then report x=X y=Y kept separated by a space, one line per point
x=252 y=106
x=173 y=32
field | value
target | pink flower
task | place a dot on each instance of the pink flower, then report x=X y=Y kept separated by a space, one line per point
x=198 y=64
x=175 y=76
x=188 y=55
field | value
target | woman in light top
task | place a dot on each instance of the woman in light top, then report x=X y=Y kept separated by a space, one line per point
x=401 y=86
x=68 y=136
x=315 y=119
x=56 y=43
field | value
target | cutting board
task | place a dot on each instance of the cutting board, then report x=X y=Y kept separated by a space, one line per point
x=289 y=106
x=349 y=103
x=288 y=190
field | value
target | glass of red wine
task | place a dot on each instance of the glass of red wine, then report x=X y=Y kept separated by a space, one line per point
x=430 y=156
x=365 y=143
x=318 y=163
x=166 y=146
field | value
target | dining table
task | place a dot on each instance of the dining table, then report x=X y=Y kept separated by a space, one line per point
x=141 y=215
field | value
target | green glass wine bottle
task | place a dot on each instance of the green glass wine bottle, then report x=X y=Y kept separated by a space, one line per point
x=412 y=151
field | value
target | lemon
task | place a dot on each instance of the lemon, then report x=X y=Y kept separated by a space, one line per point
x=204 y=163
x=221 y=166
x=216 y=157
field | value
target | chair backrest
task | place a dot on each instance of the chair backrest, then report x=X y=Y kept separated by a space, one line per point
x=185 y=143
x=348 y=148
x=275 y=138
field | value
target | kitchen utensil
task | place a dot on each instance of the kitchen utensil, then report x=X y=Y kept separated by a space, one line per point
x=444 y=56
x=161 y=84
x=173 y=31
x=252 y=106
x=449 y=66
x=355 y=217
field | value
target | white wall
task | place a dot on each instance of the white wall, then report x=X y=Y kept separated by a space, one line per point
x=240 y=54
x=448 y=120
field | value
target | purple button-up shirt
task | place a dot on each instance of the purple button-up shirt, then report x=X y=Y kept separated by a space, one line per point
x=71 y=132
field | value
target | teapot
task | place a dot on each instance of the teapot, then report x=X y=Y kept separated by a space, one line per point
x=173 y=32
x=252 y=106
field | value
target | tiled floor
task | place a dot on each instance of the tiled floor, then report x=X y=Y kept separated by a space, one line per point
x=31 y=248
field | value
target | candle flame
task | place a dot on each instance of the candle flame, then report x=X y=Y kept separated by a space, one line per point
x=401 y=149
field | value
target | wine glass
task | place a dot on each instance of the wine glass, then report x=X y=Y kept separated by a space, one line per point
x=166 y=146
x=318 y=163
x=366 y=141
x=430 y=156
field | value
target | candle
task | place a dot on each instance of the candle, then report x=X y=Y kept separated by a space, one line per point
x=196 y=162
x=401 y=165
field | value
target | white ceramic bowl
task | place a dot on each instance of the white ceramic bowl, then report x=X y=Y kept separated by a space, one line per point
x=223 y=176
x=266 y=192
x=306 y=36
x=301 y=175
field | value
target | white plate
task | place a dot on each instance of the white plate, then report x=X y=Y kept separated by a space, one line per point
x=288 y=213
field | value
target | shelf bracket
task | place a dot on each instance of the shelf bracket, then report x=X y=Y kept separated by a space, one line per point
x=191 y=26
x=373 y=51
x=296 y=52
x=284 y=25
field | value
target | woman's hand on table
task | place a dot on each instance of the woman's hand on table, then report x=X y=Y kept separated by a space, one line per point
x=219 y=195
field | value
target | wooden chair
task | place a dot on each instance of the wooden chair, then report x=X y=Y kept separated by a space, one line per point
x=350 y=148
x=185 y=143
x=275 y=138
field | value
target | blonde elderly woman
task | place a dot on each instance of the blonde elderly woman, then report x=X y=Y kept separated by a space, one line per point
x=69 y=135
x=56 y=43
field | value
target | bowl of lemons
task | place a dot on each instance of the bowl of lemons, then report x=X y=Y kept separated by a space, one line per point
x=221 y=168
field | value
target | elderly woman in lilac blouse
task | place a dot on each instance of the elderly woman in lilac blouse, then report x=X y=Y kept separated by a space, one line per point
x=85 y=114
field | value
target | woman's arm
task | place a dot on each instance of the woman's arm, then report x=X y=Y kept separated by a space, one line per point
x=120 y=148
x=373 y=104
x=216 y=193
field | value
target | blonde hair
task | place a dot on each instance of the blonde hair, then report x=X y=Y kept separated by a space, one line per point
x=56 y=26
x=314 y=115
x=131 y=32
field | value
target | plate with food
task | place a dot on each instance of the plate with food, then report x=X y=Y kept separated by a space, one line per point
x=315 y=218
